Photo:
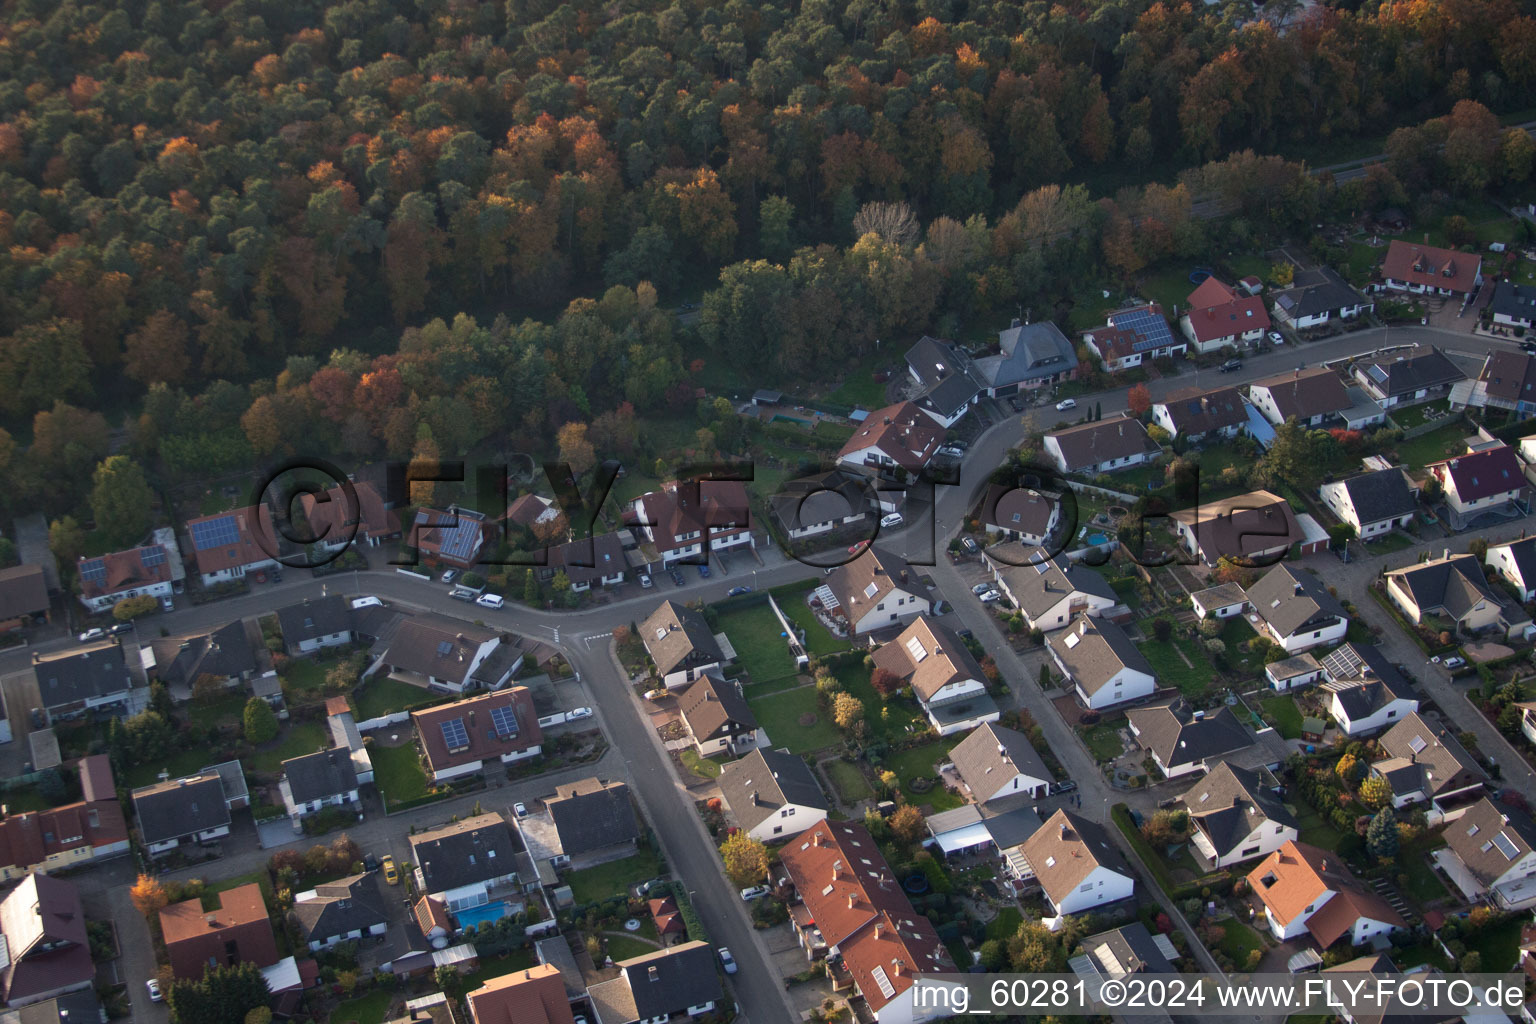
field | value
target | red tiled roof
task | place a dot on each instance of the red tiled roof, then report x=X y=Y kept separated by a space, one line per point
x=1217 y=311
x=256 y=540
x=126 y=570
x=1112 y=343
x=482 y=740
x=1431 y=267
x=29 y=838
x=904 y=432
x=535 y=995
x=336 y=517
x=721 y=506
x=193 y=935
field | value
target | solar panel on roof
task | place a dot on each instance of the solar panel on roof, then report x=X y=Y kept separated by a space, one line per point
x=455 y=735
x=444 y=648
x=94 y=571
x=1150 y=328
x=152 y=556
x=1506 y=846
x=505 y=721
x=213 y=533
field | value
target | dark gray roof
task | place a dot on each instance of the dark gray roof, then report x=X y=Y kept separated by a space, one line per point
x=1089 y=444
x=1523 y=553
x=1367 y=698
x=318 y=775
x=1381 y=494
x=80 y=1007
x=821 y=498
x=1102 y=649
x=1039 y=583
x=98 y=672
x=1029 y=351
x=1454 y=585
x=313 y=618
x=1414 y=373
x=996 y=753
x=1131 y=949
x=224 y=653
x=1291 y=599
x=591 y=814
x=1196 y=410
x=1011 y=828
x=1179 y=735
x=1437 y=755
x=1230 y=802
x=671 y=980
x=180 y=807
x=1361 y=662
x=946 y=375
x=1513 y=300
x=354 y=902
x=756 y=786
x=1316 y=291
x=1305 y=393
x=465 y=852
x=23 y=591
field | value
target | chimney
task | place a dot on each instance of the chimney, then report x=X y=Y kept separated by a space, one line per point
x=879 y=929
x=815 y=838
x=1062 y=830
x=755 y=800
x=1445 y=553
x=852 y=899
x=213 y=922
x=1323 y=864
x=653 y=974
x=471 y=717
x=896 y=966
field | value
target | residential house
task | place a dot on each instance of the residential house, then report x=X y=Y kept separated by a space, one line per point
x=345 y=910
x=680 y=644
x=1297 y=610
x=1077 y=866
x=316 y=623
x=1490 y=855
x=678 y=982
x=312 y=782
x=47 y=951
x=94 y=679
x=138 y=572
x=853 y=908
x=1258 y=528
x=227 y=655
x=1489 y=480
x=534 y=995
x=995 y=762
x=348 y=514
x=1312 y=397
x=943 y=674
x=345 y=735
x=1426 y=764
x=1431 y=270
x=1506 y=381
x=1513 y=305
x=1318 y=296
x=1452 y=589
x=819 y=504
x=1237 y=815
x=1032 y=356
x=82 y=1005
x=1104 y=666
x=589 y=562
x=461 y=738
x=530 y=510
x=1101 y=446
x=1223 y=601
x=23 y=596
x=1308 y=891
x=1293 y=673
x=1129 y=949
x=1407 y=379
x=177 y=811
x=462 y=864
x=1366 y=692
x=452 y=536
x=690 y=519
x=1049 y=592
x=1020 y=513
x=1133 y=334
x=1183 y=739
x=1198 y=414
x=1218 y=316
x=897 y=437
x=1373 y=502
x=875 y=590
x=447 y=655
x=235 y=930
x=772 y=794
x=595 y=819
x=227 y=545
x=717 y=717
x=960 y=831
x=1515 y=561
x=950 y=387
x=58 y=838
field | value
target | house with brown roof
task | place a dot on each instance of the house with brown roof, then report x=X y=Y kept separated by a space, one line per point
x=1217 y=316
x=452 y=536
x=1198 y=413
x=680 y=644
x=876 y=590
x=1020 y=513
x=898 y=437
x=1406 y=380
x=79 y=833
x=23 y=596
x=943 y=674
x=1490 y=854
x=1048 y=592
x=1506 y=381
x=461 y=738
x=346 y=514
x=1132 y=335
x=1426 y=764
x=1297 y=610
x=1076 y=865
x=1308 y=891
x=47 y=951
x=588 y=562
x=812 y=505
x=995 y=762
x=1184 y=739
x=1104 y=666
x=236 y=930
x=1312 y=397
x=534 y=995
x=689 y=519
x=1430 y=270
x=138 y=572
x=772 y=794
x=227 y=545
x=447 y=655
x=717 y=717
x=529 y=510
x=1258 y=527
x=1101 y=446
x=1486 y=480
x=852 y=907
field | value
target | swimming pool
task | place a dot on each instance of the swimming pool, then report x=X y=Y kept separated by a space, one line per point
x=486 y=912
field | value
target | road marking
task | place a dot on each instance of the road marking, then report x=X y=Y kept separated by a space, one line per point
x=596 y=636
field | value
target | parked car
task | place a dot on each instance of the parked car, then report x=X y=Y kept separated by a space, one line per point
x=490 y=601
x=166 y=604
x=754 y=892
x=91 y=635
x=1230 y=365
x=155 y=995
x=950 y=451
x=520 y=809
x=259 y=576
x=391 y=873
x=738 y=591
x=990 y=596
x=1276 y=338
x=969 y=544
x=577 y=714
x=645 y=582
x=703 y=572
x=366 y=602
x=1528 y=346
x=1064 y=786
x=894 y=519
x=656 y=694
x=677 y=578
x=449 y=575
x=461 y=594
x=727 y=961
x=39 y=720
x=1017 y=403
x=962 y=445
x=854 y=549
x=981 y=588
x=370 y=862
x=1065 y=404
x=1452 y=662
x=120 y=628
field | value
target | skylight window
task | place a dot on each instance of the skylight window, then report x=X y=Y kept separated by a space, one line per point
x=916 y=649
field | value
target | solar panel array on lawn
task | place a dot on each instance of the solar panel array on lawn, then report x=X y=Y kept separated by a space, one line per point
x=215 y=533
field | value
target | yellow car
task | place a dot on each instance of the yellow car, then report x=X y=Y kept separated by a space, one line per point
x=391 y=873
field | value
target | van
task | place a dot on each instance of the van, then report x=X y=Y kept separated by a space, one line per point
x=489 y=601
x=366 y=602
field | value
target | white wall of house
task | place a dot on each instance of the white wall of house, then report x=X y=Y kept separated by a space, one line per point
x=1110 y=466
x=1222 y=611
x=1019 y=782
x=106 y=602
x=1261 y=842
x=683 y=676
x=899 y=606
x=1383 y=717
x=1101 y=888
x=1060 y=614
x=206 y=836
x=315 y=945
x=1477 y=504
x=1499 y=558
x=946 y=727
x=1306 y=639
x=1293 y=682
x=211 y=579
x=456 y=771
x=1296 y=926
x=514 y=756
x=789 y=820
x=1127 y=684
x=329 y=640
x=812 y=529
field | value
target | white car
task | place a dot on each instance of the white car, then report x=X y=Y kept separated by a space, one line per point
x=1276 y=338
x=951 y=452
x=645 y=583
x=754 y=892
x=155 y=995
x=490 y=601
x=92 y=634
x=366 y=602
x=1065 y=404
x=520 y=809
x=727 y=961
x=1451 y=662
x=990 y=596
x=894 y=519
x=578 y=714
x=449 y=575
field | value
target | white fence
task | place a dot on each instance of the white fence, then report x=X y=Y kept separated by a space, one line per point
x=418 y=575
x=384 y=720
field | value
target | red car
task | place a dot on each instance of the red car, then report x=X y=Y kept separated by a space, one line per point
x=856 y=548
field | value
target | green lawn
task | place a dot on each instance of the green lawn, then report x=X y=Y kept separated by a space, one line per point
x=1194 y=678
x=1440 y=443
x=1104 y=742
x=1500 y=945
x=397 y=772
x=819 y=641
x=227 y=710
x=1238 y=941
x=306 y=673
x=1006 y=924
x=704 y=767
x=297 y=739
x=517 y=960
x=1168 y=287
x=613 y=878
x=1234 y=634
x=1316 y=832
x=622 y=947
x=891 y=719
x=1424 y=886
x=920 y=761
x=1387 y=543
x=1525 y=272
x=755 y=633
x=850 y=783
x=180 y=765
x=1410 y=416
x=1286 y=714
x=24 y=798
x=259 y=876
x=779 y=714
x=368 y=1009
x=382 y=695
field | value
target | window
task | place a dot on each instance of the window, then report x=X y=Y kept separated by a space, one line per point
x=777 y=829
x=1279 y=829
x=1250 y=851
x=1087 y=887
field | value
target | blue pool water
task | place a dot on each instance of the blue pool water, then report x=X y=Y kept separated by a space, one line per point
x=493 y=911
x=1095 y=539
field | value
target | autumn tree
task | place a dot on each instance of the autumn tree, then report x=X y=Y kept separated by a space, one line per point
x=745 y=858
x=1375 y=792
x=908 y=824
x=259 y=720
x=847 y=710
x=148 y=895
x=576 y=450
x=66 y=539
x=1138 y=401
x=1348 y=769
x=885 y=682
x=157 y=351
x=130 y=608
x=120 y=501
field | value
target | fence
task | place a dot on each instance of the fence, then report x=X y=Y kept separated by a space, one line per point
x=394 y=718
x=1129 y=499
x=419 y=575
